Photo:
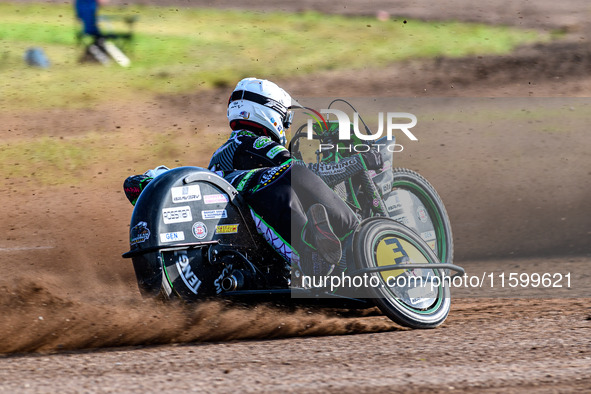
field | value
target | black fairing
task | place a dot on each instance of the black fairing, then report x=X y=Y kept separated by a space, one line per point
x=179 y=216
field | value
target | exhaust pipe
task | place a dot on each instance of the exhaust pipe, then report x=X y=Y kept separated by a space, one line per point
x=236 y=281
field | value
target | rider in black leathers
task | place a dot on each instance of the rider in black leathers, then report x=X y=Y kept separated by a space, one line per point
x=293 y=208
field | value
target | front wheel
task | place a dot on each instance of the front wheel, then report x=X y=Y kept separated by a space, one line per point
x=413 y=297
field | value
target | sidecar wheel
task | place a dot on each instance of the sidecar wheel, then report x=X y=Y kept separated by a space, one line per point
x=416 y=298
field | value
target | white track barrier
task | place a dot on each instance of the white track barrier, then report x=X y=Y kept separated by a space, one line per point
x=99 y=55
x=116 y=54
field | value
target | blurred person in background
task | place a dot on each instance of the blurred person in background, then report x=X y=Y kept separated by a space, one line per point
x=86 y=12
x=100 y=50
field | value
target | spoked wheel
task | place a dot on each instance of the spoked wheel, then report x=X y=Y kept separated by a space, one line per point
x=415 y=203
x=413 y=297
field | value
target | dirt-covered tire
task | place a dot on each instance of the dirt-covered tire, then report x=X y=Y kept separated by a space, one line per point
x=423 y=199
x=383 y=241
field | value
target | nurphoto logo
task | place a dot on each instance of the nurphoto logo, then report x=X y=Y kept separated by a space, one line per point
x=392 y=122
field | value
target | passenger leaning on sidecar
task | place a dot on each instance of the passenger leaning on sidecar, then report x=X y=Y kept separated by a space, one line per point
x=293 y=208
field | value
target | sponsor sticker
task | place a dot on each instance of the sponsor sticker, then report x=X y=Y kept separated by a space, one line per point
x=261 y=142
x=177 y=215
x=428 y=235
x=269 y=174
x=402 y=219
x=199 y=230
x=139 y=233
x=244 y=180
x=386 y=187
x=275 y=151
x=214 y=214
x=336 y=169
x=218 y=282
x=422 y=214
x=418 y=294
x=272 y=173
x=172 y=237
x=215 y=198
x=187 y=275
x=185 y=193
x=226 y=229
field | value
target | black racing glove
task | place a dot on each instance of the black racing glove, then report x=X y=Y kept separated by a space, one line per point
x=134 y=185
x=372 y=159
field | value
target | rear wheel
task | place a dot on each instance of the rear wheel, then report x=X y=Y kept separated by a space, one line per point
x=416 y=298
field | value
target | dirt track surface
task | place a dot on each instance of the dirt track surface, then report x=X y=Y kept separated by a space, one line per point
x=490 y=345
x=526 y=198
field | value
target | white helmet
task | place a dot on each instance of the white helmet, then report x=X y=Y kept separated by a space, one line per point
x=261 y=105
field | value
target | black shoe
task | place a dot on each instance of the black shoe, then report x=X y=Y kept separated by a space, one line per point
x=320 y=235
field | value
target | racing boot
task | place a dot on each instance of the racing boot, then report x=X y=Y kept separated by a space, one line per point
x=325 y=246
